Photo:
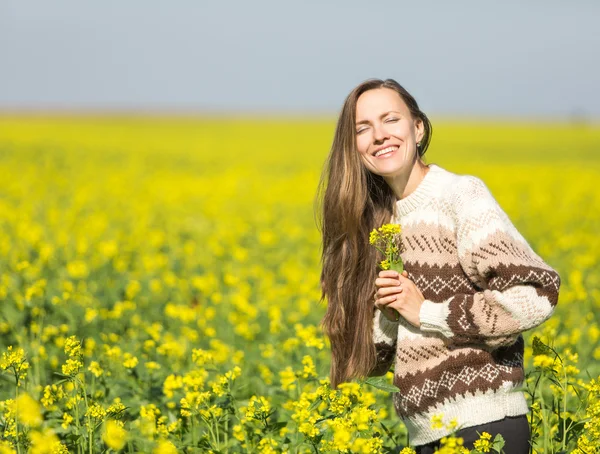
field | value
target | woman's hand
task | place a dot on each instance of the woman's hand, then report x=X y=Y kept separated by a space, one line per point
x=397 y=294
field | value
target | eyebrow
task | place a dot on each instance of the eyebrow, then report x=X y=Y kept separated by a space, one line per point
x=381 y=116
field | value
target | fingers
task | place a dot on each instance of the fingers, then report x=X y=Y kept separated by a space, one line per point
x=387 y=282
x=389 y=273
x=384 y=301
x=387 y=291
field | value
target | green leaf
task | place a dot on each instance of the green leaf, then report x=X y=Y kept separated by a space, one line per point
x=315 y=404
x=539 y=348
x=397 y=266
x=498 y=443
x=382 y=383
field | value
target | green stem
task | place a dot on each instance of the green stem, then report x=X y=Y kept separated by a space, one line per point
x=17 y=413
x=193 y=430
x=227 y=431
x=383 y=252
x=212 y=433
x=213 y=418
x=77 y=426
x=87 y=408
x=565 y=390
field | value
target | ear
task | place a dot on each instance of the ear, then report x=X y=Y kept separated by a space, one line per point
x=419 y=129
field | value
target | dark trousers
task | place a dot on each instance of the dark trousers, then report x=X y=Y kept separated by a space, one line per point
x=515 y=431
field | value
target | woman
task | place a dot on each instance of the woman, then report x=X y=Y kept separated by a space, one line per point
x=451 y=323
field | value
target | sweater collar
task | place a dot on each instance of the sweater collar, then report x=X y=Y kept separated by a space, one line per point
x=423 y=192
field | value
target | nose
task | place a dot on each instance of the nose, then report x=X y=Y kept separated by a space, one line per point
x=379 y=133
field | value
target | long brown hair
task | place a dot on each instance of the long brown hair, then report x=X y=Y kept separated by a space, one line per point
x=354 y=201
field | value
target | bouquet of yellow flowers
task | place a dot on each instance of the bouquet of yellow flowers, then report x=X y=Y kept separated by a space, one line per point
x=386 y=240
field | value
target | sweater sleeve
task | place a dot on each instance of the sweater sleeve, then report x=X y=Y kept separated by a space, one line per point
x=385 y=333
x=518 y=290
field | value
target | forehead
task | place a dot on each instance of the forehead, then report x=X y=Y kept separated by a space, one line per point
x=374 y=102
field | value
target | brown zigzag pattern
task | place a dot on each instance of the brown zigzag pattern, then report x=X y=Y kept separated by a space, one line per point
x=420 y=393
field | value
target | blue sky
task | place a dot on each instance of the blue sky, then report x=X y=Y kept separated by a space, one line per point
x=470 y=58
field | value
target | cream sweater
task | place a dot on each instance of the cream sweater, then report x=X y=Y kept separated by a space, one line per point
x=483 y=286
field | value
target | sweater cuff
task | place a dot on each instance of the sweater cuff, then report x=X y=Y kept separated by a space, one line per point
x=385 y=330
x=434 y=318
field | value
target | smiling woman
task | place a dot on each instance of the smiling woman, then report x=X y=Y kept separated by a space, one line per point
x=388 y=138
x=451 y=323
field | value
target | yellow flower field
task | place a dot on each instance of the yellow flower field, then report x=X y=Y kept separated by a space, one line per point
x=160 y=285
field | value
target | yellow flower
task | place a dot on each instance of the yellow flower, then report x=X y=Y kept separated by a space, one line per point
x=77 y=269
x=129 y=361
x=164 y=447
x=16 y=361
x=385 y=239
x=73 y=347
x=267 y=446
x=115 y=436
x=288 y=379
x=28 y=410
x=152 y=365
x=6 y=448
x=309 y=370
x=238 y=432
x=95 y=369
x=67 y=420
x=258 y=408
x=52 y=393
x=437 y=421
x=96 y=411
x=171 y=383
x=45 y=442
x=71 y=367
x=483 y=444
x=543 y=361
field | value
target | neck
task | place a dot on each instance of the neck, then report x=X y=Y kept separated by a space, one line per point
x=405 y=183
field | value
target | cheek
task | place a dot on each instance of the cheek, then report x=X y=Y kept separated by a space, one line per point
x=362 y=144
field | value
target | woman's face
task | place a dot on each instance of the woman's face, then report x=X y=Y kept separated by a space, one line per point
x=386 y=133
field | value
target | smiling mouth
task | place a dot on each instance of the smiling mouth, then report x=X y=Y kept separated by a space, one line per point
x=386 y=151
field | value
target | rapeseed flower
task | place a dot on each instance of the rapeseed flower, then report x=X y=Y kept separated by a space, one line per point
x=386 y=239
x=16 y=361
x=258 y=408
x=71 y=367
x=96 y=411
x=95 y=369
x=437 y=421
x=171 y=384
x=28 y=410
x=484 y=443
x=408 y=450
x=287 y=378
x=165 y=447
x=114 y=435
x=6 y=448
x=268 y=446
x=45 y=442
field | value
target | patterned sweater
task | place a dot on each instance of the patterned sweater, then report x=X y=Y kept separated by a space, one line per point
x=483 y=285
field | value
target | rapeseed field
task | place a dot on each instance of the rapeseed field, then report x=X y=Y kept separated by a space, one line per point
x=159 y=285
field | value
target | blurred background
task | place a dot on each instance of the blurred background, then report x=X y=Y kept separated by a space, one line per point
x=525 y=59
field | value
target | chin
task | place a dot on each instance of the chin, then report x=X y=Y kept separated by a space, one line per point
x=389 y=172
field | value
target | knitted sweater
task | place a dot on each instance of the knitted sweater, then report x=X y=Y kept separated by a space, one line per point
x=483 y=285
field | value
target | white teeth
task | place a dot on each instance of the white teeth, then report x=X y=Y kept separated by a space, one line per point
x=385 y=150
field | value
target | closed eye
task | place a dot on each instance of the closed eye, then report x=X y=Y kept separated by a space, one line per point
x=391 y=120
